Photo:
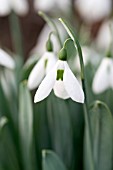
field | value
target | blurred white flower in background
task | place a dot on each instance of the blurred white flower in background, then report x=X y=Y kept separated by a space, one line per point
x=64 y=83
x=20 y=7
x=52 y=5
x=42 y=67
x=105 y=35
x=6 y=60
x=103 y=78
x=89 y=56
x=43 y=37
x=6 y=75
x=93 y=10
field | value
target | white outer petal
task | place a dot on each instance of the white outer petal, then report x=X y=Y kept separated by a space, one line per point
x=20 y=6
x=37 y=74
x=6 y=60
x=5 y=7
x=60 y=90
x=101 y=80
x=72 y=85
x=104 y=34
x=46 y=86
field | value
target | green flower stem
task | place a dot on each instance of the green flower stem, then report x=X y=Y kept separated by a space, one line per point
x=16 y=34
x=85 y=105
x=51 y=24
x=109 y=52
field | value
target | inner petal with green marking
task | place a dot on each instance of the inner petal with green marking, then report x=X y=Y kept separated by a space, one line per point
x=60 y=75
x=45 y=63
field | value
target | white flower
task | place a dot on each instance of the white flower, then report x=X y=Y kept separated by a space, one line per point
x=19 y=6
x=104 y=37
x=103 y=78
x=89 y=56
x=6 y=60
x=42 y=67
x=94 y=10
x=64 y=83
x=51 y=5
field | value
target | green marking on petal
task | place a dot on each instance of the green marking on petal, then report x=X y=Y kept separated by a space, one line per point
x=45 y=63
x=60 y=75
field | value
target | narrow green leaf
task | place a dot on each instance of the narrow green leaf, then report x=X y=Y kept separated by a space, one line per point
x=3 y=121
x=60 y=126
x=77 y=121
x=28 y=66
x=102 y=137
x=41 y=129
x=50 y=161
x=71 y=50
x=85 y=105
x=25 y=124
x=9 y=157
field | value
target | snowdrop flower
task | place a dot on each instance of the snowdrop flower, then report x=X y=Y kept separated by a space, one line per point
x=94 y=10
x=42 y=67
x=51 y=5
x=103 y=78
x=62 y=81
x=104 y=37
x=19 y=6
x=6 y=60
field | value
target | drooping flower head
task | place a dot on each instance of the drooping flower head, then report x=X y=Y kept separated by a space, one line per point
x=18 y=6
x=62 y=81
x=93 y=10
x=103 y=78
x=89 y=56
x=105 y=33
x=52 y=5
x=42 y=67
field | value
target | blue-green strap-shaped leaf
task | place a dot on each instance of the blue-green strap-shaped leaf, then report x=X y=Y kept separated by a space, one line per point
x=59 y=123
x=50 y=161
x=25 y=124
x=102 y=134
x=3 y=122
x=85 y=106
x=70 y=48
